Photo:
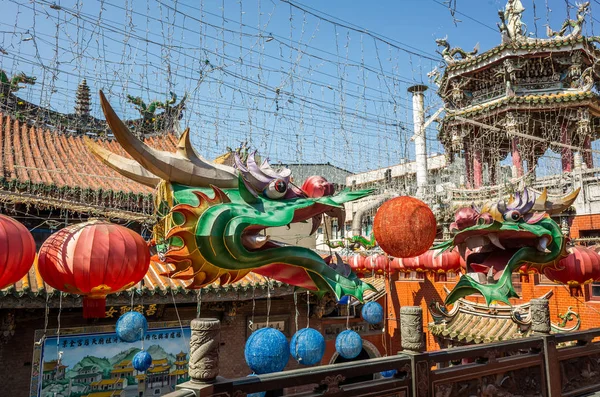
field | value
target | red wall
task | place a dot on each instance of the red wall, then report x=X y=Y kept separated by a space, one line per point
x=424 y=292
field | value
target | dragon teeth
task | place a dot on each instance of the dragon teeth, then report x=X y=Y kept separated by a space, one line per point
x=462 y=249
x=254 y=241
x=476 y=241
x=495 y=240
x=542 y=244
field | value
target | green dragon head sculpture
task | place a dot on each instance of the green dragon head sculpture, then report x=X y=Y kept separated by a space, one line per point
x=213 y=217
x=498 y=239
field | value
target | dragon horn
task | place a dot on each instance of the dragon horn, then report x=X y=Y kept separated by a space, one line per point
x=556 y=206
x=172 y=167
x=128 y=168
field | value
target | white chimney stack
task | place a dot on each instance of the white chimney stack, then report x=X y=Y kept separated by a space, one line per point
x=419 y=137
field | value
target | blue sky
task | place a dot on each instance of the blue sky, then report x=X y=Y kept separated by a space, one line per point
x=298 y=87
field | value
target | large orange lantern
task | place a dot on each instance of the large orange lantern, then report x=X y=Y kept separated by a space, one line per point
x=94 y=259
x=404 y=227
x=580 y=267
x=17 y=251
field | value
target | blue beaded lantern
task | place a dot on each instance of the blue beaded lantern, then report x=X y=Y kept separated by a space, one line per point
x=142 y=361
x=348 y=344
x=267 y=350
x=258 y=394
x=389 y=373
x=372 y=312
x=307 y=346
x=131 y=327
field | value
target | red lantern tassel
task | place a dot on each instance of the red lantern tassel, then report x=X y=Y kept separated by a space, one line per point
x=94 y=307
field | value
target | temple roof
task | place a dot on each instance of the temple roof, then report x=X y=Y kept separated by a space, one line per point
x=472 y=323
x=51 y=169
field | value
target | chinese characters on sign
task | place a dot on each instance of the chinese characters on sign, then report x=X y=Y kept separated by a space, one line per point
x=148 y=311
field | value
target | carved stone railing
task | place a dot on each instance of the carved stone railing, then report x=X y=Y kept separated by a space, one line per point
x=542 y=365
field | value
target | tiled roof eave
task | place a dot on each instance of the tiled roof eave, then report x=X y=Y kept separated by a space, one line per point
x=531 y=101
x=42 y=201
x=523 y=48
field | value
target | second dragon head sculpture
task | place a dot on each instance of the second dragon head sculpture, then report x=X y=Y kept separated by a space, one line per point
x=499 y=238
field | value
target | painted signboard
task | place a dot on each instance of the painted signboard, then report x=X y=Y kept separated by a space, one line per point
x=92 y=363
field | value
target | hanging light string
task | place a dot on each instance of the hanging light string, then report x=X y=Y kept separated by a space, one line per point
x=251 y=325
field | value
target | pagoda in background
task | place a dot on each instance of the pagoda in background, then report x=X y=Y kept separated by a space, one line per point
x=521 y=98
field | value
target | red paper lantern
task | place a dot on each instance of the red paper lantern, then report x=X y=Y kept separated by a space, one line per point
x=93 y=259
x=580 y=267
x=404 y=227
x=17 y=251
x=377 y=263
x=357 y=263
x=397 y=266
x=415 y=264
x=441 y=263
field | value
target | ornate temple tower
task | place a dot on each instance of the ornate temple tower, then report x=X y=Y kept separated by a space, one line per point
x=521 y=98
x=83 y=100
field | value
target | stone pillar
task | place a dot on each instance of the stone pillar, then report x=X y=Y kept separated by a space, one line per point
x=411 y=329
x=566 y=153
x=517 y=161
x=477 y=169
x=204 y=350
x=540 y=316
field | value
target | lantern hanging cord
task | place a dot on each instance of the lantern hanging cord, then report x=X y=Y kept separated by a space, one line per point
x=251 y=325
x=58 y=352
x=296 y=309
x=46 y=314
x=132 y=293
x=199 y=304
x=179 y=319
x=307 y=309
x=268 y=300
x=348 y=314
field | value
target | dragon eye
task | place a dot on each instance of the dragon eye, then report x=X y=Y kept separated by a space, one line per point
x=512 y=215
x=276 y=189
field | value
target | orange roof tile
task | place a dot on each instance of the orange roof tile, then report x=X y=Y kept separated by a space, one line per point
x=41 y=156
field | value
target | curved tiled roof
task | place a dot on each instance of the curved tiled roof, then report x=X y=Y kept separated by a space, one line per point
x=538 y=100
x=529 y=45
x=41 y=156
x=53 y=169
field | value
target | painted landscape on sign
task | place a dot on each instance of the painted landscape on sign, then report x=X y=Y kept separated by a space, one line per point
x=100 y=365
